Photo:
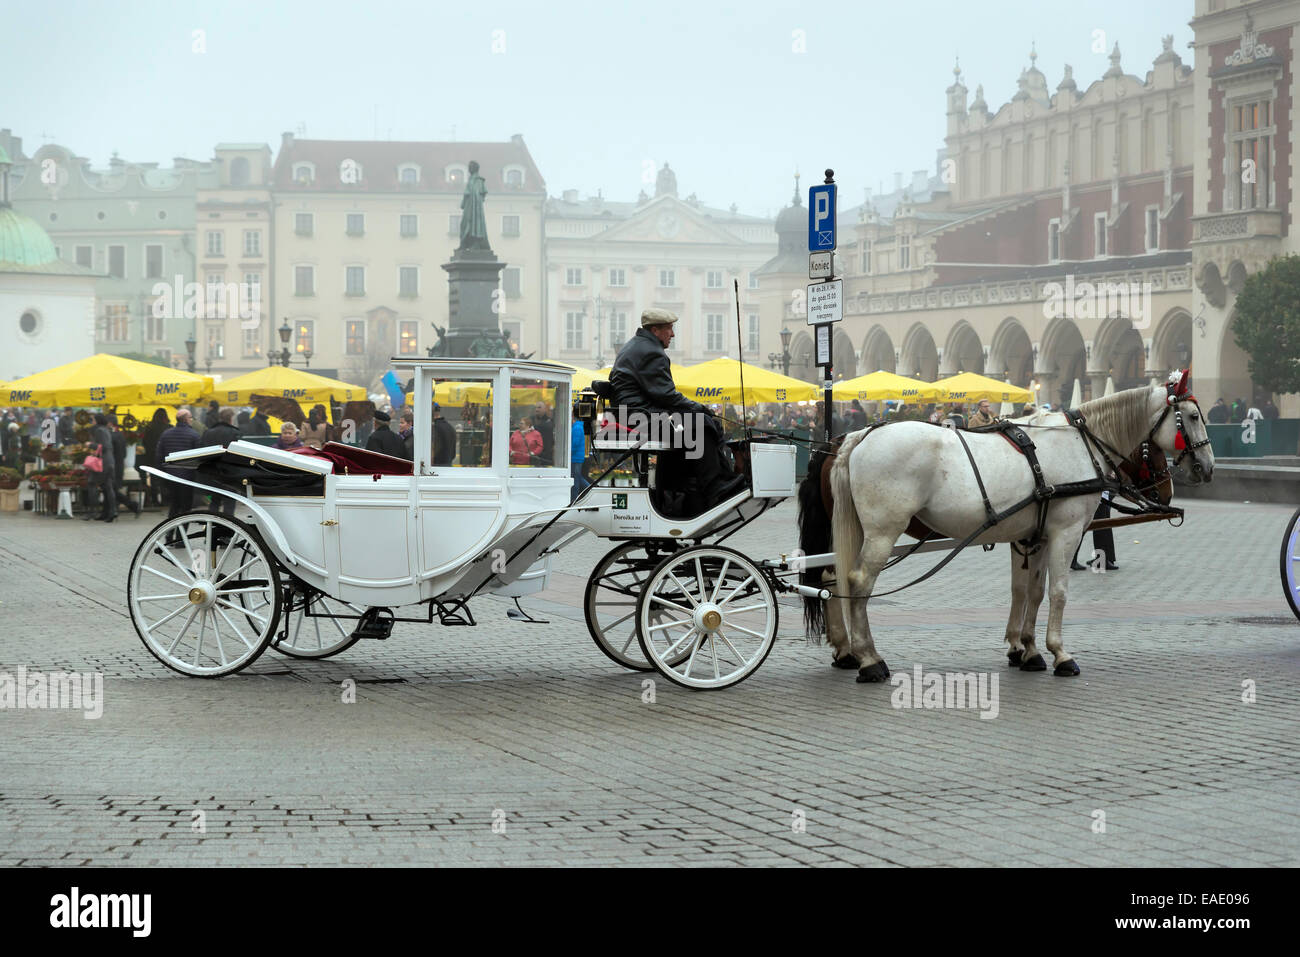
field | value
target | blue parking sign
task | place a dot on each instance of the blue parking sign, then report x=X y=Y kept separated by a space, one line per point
x=821 y=217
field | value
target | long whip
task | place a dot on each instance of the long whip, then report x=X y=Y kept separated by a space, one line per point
x=740 y=351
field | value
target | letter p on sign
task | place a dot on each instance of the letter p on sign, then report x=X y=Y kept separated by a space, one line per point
x=821 y=217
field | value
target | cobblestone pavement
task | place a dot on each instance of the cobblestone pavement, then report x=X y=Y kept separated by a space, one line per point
x=531 y=726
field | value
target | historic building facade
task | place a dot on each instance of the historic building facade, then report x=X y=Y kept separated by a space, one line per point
x=234 y=330
x=132 y=224
x=360 y=230
x=607 y=261
x=1050 y=244
x=1245 y=168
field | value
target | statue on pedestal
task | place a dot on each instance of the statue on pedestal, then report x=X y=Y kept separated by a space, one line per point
x=473 y=221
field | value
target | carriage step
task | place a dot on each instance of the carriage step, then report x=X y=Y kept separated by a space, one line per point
x=375 y=623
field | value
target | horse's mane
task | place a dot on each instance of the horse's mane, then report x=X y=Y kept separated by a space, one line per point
x=1121 y=419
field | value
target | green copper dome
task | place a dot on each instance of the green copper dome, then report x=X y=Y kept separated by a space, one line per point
x=22 y=241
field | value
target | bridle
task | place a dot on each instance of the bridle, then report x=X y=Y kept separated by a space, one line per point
x=1176 y=394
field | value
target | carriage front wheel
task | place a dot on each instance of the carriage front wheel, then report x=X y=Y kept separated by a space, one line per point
x=707 y=617
x=1291 y=564
x=204 y=594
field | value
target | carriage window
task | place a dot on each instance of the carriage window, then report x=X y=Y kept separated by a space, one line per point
x=539 y=423
x=462 y=424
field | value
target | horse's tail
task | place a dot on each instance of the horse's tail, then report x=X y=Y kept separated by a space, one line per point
x=814 y=539
x=846 y=527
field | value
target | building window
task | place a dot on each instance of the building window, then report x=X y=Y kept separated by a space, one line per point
x=354 y=281
x=753 y=281
x=216 y=243
x=408 y=337
x=510 y=225
x=214 y=295
x=668 y=278
x=409 y=225
x=304 y=335
x=714 y=334
x=751 y=346
x=618 y=277
x=574 y=330
x=1252 y=141
x=573 y=277
x=355 y=337
x=117 y=262
x=155 y=327
x=252 y=294
x=1153 y=229
x=514 y=176
x=1054 y=241
x=713 y=279
x=85 y=256
x=117 y=322
x=453 y=224
x=356 y=225
x=304 y=174
x=1099 y=235
x=216 y=342
x=512 y=283
x=252 y=242
x=408 y=281
x=408 y=175
x=304 y=280
x=617 y=328
x=303 y=224
x=153 y=263
x=455 y=175
x=252 y=343
x=904 y=252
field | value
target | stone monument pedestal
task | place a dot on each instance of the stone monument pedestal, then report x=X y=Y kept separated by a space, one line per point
x=473 y=277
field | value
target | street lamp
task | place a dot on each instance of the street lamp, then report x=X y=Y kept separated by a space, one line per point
x=286 y=331
x=190 y=343
x=786 y=335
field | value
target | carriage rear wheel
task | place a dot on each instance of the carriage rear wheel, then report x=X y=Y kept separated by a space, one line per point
x=611 y=598
x=1290 y=564
x=707 y=617
x=204 y=594
x=311 y=628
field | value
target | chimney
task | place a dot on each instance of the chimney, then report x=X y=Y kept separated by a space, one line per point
x=517 y=138
x=570 y=195
x=920 y=182
x=898 y=182
x=286 y=140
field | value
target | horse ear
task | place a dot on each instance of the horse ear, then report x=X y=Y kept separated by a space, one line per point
x=1181 y=388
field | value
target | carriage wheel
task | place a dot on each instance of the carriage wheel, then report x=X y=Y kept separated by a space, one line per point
x=319 y=634
x=1290 y=564
x=204 y=594
x=611 y=598
x=707 y=617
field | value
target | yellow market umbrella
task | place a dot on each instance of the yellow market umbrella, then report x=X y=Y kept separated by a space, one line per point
x=971 y=387
x=718 y=380
x=878 y=385
x=285 y=382
x=106 y=380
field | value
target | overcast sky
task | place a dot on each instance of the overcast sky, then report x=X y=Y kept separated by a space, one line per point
x=600 y=91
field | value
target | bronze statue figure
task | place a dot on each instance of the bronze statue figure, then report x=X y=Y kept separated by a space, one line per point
x=473 y=221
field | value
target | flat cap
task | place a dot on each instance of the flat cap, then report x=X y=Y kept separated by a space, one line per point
x=657 y=317
x=382 y=416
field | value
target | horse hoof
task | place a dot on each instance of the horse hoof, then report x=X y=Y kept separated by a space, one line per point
x=847 y=661
x=1035 y=663
x=873 y=673
x=1066 y=669
x=1013 y=657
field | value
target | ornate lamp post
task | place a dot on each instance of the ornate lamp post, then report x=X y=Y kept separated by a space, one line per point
x=285 y=332
x=785 y=357
x=190 y=343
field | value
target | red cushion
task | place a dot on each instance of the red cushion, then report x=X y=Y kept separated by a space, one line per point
x=349 y=460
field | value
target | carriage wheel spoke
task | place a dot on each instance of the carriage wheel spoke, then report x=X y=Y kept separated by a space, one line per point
x=722 y=576
x=184 y=628
x=685 y=592
x=243 y=611
x=163 y=597
x=736 y=589
x=252 y=561
x=189 y=573
x=660 y=599
x=162 y=621
x=676 y=646
x=674 y=623
x=216 y=634
x=739 y=657
x=235 y=629
x=691 y=660
x=756 y=634
x=713 y=651
x=198 y=648
x=177 y=581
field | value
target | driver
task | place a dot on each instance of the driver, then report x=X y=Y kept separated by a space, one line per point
x=642 y=382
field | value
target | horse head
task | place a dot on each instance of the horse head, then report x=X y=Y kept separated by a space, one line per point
x=1178 y=428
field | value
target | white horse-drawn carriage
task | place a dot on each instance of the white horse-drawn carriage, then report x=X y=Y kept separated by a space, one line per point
x=341 y=541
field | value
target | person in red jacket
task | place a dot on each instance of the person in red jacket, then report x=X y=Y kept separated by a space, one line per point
x=525 y=442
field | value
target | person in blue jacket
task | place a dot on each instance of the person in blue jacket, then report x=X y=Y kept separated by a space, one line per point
x=577 y=455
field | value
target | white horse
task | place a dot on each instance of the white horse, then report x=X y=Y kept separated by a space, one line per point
x=911 y=469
